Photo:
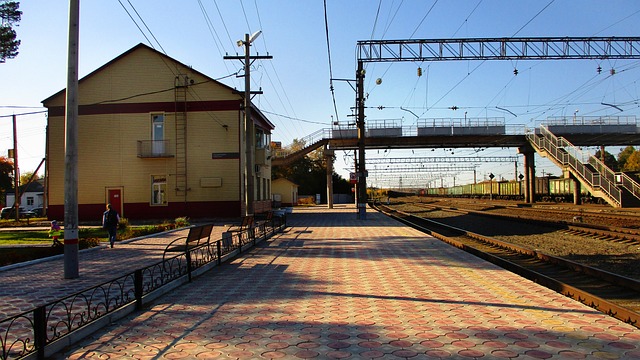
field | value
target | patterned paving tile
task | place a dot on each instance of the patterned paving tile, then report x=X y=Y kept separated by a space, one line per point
x=362 y=289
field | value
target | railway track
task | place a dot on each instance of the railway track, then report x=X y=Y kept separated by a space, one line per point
x=615 y=295
x=626 y=235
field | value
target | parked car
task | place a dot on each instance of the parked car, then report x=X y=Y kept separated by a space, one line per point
x=38 y=211
x=9 y=212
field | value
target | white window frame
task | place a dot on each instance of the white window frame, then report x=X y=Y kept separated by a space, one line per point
x=158 y=190
x=157 y=138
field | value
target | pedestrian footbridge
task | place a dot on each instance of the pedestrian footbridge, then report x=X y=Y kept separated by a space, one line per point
x=558 y=139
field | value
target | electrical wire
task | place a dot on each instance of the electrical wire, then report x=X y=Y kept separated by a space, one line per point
x=293 y=118
x=534 y=16
x=375 y=21
x=246 y=19
x=423 y=19
x=467 y=18
x=326 y=29
x=280 y=91
x=618 y=22
x=22 y=114
x=212 y=30
x=145 y=25
x=223 y=23
x=136 y=24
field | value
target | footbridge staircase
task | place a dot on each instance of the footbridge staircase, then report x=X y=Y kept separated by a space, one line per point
x=617 y=189
x=309 y=143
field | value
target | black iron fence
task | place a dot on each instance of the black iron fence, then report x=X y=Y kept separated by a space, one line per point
x=35 y=333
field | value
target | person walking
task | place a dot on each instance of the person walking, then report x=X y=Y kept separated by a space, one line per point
x=55 y=232
x=110 y=221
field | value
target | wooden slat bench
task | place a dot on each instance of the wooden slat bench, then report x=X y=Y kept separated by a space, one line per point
x=197 y=235
x=245 y=227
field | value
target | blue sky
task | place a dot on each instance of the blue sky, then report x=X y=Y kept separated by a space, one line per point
x=296 y=82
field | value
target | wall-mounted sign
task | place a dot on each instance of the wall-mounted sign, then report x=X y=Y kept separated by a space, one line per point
x=233 y=155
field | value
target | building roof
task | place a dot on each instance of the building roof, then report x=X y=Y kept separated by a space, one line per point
x=285 y=180
x=260 y=118
x=34 y=186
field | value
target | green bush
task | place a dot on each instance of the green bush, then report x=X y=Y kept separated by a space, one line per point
x=182 y=222
x=86 y=243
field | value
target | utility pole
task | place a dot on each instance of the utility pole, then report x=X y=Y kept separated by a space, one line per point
x=361 y=174
x=16 y=171
x=71 y=266
x=247 y=130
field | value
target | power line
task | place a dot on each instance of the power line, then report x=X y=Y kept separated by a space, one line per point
x=223 y=23
x=136 y=24
x=27 y=113
x=467 y=18
x=292 y=118
x=530 y=20
x=145 y=25
x=425 y=16
x=326 y=29
x=375 y=21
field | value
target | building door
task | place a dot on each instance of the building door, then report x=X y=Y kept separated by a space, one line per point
x=114 y=197
x=157 y=134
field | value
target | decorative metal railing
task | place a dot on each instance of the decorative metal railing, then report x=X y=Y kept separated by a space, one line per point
x=30 y=332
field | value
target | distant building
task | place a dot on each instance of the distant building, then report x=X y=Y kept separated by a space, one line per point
x=157 y=140
x=285 y=191
x=32 y=196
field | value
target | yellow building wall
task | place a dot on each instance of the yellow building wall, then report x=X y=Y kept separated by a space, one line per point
x=108 y=154
x=286 y=189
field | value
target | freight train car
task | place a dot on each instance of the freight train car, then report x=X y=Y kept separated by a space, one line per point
x=548 y=189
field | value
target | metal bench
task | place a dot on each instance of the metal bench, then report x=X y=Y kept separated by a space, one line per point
x=197 y=236
x=243 y=232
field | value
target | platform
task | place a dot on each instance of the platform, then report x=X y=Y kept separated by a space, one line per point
x=333 y=286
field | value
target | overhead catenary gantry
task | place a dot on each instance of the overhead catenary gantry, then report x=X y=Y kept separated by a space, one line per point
x=430 y=168
x=443 y=159
x=542 y=48
x=538 y=48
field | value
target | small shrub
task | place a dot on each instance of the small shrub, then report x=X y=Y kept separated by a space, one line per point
x=182 y=222
x=87 y=243
x=124 y=225
x=146 y=230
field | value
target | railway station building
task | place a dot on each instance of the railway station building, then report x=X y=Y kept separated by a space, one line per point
x=158 y=140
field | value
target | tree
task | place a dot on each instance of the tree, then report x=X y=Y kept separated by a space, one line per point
x=624 y=155
x=609 y=160
x=25 y=176
x=6 y=178
x=310 y=173
x=633 y=162
x=8 y=38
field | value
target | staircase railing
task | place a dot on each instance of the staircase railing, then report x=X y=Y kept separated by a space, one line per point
x=568 y=155
x=620 y=178
x=307 y=141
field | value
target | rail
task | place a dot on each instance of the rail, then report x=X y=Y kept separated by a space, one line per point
x=46 y=329
x=568 y=155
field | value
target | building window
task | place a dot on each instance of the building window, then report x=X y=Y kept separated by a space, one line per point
x=158 y=189
x=30 y=201
x=157 y=134
x=263 y=139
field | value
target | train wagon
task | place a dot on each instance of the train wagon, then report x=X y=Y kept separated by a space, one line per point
x=547 y=189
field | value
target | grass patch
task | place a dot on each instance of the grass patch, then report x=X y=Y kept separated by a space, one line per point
x=28 y=237
x=88 y=237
